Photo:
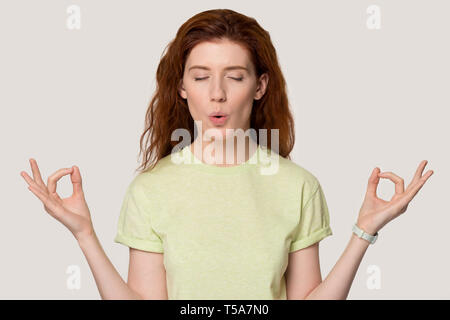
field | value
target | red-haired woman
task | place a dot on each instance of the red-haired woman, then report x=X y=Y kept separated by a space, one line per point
x=203 y=221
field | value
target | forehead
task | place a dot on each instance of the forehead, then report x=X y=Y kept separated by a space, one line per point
x=219 y=54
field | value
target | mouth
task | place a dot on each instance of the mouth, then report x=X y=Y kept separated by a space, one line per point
x=218 y=119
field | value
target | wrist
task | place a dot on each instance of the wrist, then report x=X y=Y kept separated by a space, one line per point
x=366 y=228
x=358 y=239
x=363 y=234
x=86 y=237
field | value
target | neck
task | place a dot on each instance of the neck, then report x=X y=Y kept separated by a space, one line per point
x=215 y=152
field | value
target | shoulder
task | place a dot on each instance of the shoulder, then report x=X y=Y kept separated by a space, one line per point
x=292 y=170
x=164 y=173
x=296 y=178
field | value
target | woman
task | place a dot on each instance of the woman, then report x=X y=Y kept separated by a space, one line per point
x=199 y=228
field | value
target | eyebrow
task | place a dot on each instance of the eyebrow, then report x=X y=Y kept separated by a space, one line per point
x=227 y=68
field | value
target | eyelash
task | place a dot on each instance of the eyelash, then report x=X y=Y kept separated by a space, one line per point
x=237 y=79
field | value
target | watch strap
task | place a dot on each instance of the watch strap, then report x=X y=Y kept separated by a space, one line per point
x=364 y=235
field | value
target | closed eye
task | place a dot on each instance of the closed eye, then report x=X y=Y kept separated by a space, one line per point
x=237 y=79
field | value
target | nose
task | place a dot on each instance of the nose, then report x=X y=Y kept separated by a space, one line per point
x=217 y=91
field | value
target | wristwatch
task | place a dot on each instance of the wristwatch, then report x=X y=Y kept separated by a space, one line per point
x=361 y=234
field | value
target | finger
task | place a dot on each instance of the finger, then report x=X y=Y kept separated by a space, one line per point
x=373 y=182
x=43 y=197
x=53 y=179
x=416 y=187
x=399 y=182
x=75 y=176
x=36 y=173
x=418 y=173
x=31 y=182
x=39 y=193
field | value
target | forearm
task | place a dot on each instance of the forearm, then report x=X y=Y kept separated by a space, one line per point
x=336 y=285
x=109 y=282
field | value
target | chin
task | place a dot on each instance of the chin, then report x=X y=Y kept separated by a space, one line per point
x=219 y=133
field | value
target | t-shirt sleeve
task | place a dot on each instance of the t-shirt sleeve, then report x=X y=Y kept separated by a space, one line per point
x=134 y=228
x=314 y=224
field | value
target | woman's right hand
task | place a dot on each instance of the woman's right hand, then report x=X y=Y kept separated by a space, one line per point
x=73 y=211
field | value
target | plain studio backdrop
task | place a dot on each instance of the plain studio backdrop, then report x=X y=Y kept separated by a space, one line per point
x=362 y=97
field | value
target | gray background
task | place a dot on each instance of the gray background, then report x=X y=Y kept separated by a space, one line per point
x=361 y=98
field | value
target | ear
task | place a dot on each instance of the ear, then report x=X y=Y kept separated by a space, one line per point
x=181 y=89
x=262 y=86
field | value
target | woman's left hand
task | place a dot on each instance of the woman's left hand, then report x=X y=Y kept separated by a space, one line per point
x=376 y=212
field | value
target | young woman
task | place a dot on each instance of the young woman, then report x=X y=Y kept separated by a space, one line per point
x=213 y=225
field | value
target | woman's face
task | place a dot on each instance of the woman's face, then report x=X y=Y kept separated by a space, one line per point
x=220 y=77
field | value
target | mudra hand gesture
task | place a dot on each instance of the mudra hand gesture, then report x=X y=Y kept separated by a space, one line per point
x=376 y=212
x=73 y=211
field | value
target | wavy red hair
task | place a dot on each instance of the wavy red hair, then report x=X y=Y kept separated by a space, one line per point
x=169 y=111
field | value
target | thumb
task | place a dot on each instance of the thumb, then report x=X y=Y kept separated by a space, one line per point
x=75 y=176
x=372 y=185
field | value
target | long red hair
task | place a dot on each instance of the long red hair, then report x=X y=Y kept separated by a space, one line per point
x=169 y=111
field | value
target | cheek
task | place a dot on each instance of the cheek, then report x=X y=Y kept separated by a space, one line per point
x=195 y=99
x=242 y=102
x=192 y=92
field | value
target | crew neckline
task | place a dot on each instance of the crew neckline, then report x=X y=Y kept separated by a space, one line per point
x=196 y=163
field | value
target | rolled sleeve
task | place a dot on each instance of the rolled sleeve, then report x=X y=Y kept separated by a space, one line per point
x=314 y=222
x=134 y=227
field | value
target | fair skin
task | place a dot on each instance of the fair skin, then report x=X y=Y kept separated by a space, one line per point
x=219 y=76
x=146 y=274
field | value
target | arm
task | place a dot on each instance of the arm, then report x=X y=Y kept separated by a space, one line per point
x=303 y=272
x=73 y=212
x=109 y=282
x=373 y=215
x=303 y=276
x=147 y=274
x=338 y=282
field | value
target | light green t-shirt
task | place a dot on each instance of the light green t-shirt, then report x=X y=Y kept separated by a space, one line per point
x=225 y=232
